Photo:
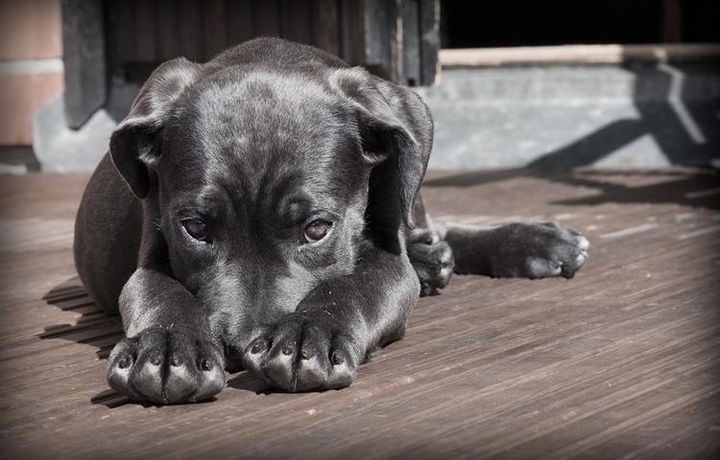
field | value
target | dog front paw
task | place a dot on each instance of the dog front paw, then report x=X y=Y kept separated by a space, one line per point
x=303 y=353
x=540 y=250
x=166 y=367
x=432 y=260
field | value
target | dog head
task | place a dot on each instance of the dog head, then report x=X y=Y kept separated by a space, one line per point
x=264 y=181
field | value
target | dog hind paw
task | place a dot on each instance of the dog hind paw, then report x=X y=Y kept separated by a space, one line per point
x=542 y=250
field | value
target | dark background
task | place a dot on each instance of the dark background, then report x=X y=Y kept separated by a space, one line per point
x=490 y=23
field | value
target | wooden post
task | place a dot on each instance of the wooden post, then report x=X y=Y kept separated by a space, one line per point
x=84 y=58
x=399 y=39
x=326 y=25
x=411 y=41
x=429 y=40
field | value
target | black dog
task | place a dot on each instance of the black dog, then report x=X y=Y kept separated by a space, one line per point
x=260 y=211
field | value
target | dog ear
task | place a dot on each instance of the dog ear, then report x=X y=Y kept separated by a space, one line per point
x=133 y=144
x=396 y=143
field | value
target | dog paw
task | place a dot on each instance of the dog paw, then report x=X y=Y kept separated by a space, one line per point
x=432 y=259
x=540 y=250
x=303 y=353
x=166 y=367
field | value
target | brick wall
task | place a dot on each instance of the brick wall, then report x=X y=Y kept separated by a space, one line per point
x=31 y=70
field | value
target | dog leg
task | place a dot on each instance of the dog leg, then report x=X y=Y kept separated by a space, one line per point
x=321 y=344
x=169 y=355
x=523 y=249
x=431 y=257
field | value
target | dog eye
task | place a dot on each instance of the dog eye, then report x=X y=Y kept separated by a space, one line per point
x=317 y=230
x=197 y=229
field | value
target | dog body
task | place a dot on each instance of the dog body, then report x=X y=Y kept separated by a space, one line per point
x=261 y=212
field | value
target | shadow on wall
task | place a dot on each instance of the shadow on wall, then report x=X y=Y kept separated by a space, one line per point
x=682 y=118
x=678 y=107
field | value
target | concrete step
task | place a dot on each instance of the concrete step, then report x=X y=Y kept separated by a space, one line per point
x=642 y=115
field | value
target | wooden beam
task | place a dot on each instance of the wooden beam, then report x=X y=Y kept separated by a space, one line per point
x=84 y=59
x=429 y=40
x=582 y=54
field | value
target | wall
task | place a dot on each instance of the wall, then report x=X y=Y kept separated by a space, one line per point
x=31 y=69
x=557 y=116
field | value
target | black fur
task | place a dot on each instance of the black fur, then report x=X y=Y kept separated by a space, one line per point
x=245 y=152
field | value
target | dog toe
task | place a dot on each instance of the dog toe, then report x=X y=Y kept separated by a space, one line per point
x=166 y=367
x=432 y=259
x=298 y=355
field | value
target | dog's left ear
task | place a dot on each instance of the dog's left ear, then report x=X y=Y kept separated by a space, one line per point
x=397 y=144
x=133 y=145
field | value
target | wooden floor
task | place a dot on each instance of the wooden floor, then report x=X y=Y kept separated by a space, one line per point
x=621 y=362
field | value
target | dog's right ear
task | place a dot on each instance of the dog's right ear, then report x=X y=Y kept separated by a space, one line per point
x=133 y=144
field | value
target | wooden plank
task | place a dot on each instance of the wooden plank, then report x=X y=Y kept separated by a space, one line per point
x=326 y=26
x=267 y=18
x=239 y=21
x=145 y=24
x=620 y=362
x=214 y=17
x=411 y=41
x=429 y=40
x=352 y=16
x=190 y=29
x=167 y=29
x=381 y=46
x=295 y=22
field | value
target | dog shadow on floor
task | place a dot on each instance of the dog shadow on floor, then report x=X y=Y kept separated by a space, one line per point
x=97 y=328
